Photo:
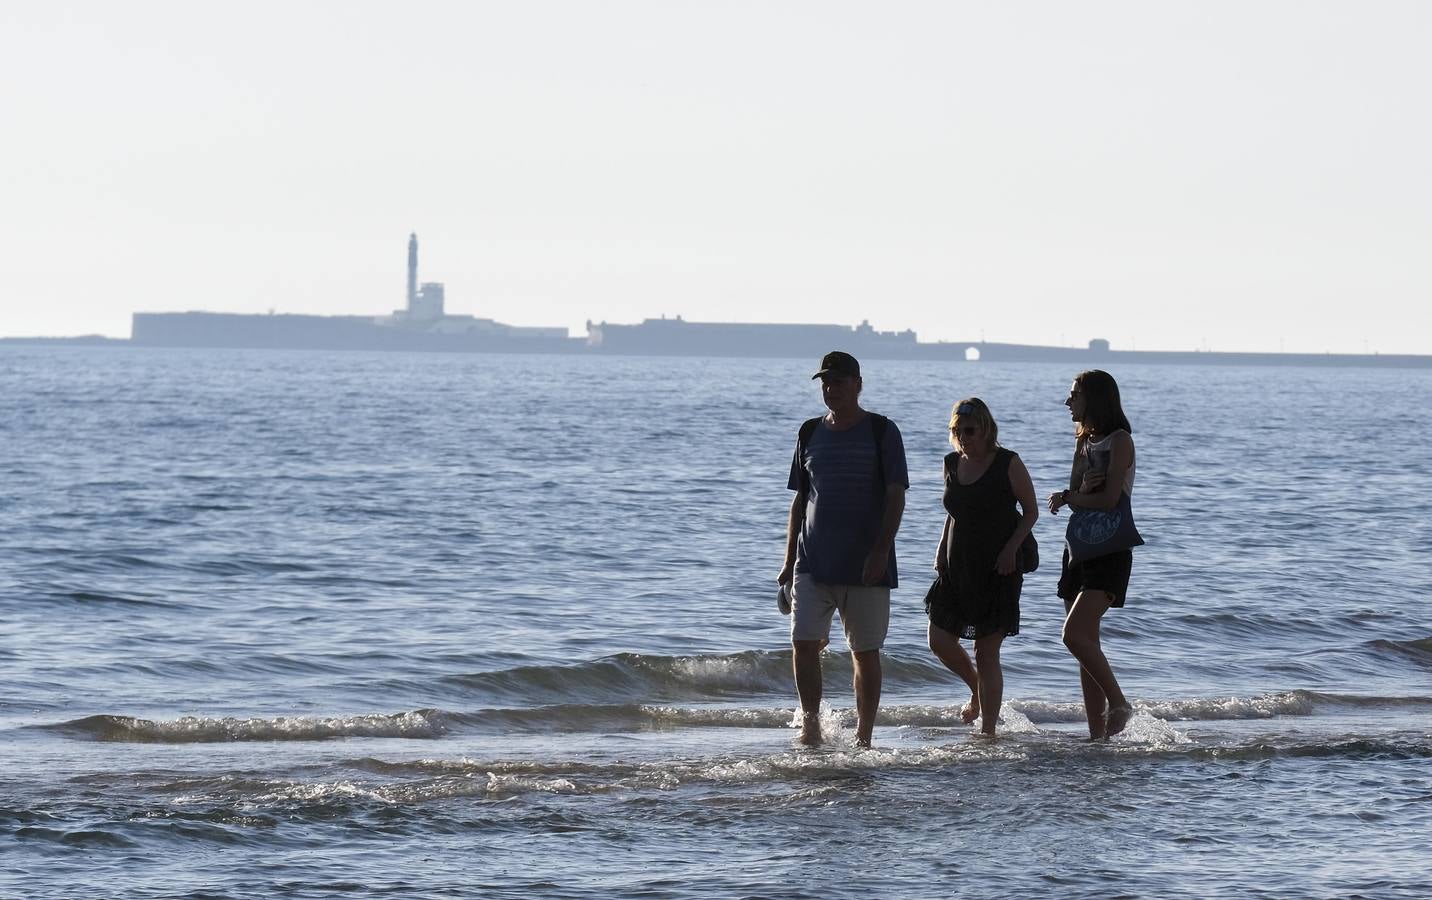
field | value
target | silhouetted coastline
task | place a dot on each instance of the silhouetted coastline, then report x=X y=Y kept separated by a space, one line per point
x=654 y=337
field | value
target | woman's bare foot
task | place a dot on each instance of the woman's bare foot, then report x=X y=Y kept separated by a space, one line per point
x=810 y=730
x=970 y=711
x=1117 y=719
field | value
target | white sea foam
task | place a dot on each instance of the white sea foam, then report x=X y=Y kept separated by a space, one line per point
x=737 y=717
x=1291 y=703
x=1147 y=729
x=202 y=729
x=1266 y=706
x=1012 y=721
x=318 y=792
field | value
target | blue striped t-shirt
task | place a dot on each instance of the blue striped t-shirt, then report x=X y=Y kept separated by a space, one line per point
x=846 y=500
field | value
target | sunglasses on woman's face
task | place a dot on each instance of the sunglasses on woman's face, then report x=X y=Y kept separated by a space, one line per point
x=966 y=429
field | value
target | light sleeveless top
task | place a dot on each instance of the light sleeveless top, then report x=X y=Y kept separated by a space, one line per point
x=1105 y=448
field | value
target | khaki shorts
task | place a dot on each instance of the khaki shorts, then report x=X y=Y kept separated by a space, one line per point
x=864 y=612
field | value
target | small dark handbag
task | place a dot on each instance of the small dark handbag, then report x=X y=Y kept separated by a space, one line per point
x=1026 y=558
x=1093 y=533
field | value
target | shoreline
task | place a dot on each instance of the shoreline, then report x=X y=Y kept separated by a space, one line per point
x=944 y=351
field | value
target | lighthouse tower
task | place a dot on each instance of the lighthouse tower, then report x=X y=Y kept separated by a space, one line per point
x=412 y=272
x=425 y=302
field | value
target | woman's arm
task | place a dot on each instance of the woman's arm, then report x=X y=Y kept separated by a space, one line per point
x=1023 y=487
x=1105 y=495
x=945 y=530
x=944 y=543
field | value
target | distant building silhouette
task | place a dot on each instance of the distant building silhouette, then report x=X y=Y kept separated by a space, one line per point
x=424 y=304
x=424 y=324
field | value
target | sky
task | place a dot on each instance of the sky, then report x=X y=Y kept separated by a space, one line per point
x=1164 y=175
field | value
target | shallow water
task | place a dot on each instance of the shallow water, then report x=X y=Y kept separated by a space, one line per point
x=321 y=624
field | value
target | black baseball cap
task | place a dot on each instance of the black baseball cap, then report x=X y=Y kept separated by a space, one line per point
x=839 y=364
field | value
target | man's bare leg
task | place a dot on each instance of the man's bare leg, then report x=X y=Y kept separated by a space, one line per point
x=991 y=679
x=867 y=694
x=947 y=650
x=806 y=662
x=1081 y=636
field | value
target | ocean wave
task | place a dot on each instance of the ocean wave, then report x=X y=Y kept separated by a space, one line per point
x=1419 y=650
x=430 y=779
x=1212 y=709
x=105 y=598
x=344 y=786
x=620 y=717
x=1346 y=747
x=1017 y=715
x=419 y=724
x=1367 y=701
x=636 y=676
x=1267 y=706
x=84 y=838
x=411 y=782
x=629 y=716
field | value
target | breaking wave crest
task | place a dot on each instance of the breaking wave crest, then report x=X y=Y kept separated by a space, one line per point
x=802 y=772
x=633 y=677
x=427 y=724
x=421 y=724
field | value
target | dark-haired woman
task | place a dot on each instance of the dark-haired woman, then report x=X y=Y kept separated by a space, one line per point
x=1103 y=469
x=978 y=551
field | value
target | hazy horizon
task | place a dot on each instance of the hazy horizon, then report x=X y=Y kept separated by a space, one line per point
x=1174 y=177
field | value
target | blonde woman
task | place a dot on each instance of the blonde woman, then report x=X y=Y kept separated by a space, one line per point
x=989 y=499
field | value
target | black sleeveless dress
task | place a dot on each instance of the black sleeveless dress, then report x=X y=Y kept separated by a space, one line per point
x=978 y=601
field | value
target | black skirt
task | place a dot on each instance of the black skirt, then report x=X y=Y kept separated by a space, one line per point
x=1109 y=574
x=975 y=614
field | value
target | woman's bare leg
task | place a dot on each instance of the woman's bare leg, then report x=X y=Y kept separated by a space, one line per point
x=947 y=650
x=1096 y=706
x=991 y=679
x=1081 y=636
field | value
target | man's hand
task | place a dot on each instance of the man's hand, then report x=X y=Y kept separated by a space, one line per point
x=876 y=562
x=787 y=573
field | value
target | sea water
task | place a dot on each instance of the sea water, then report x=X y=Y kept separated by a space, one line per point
x=299 y=624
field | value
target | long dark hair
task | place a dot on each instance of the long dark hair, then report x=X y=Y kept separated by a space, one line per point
x=1103 y=413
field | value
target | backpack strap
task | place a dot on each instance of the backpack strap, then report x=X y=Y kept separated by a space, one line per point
x=878 y=426
x=802 y=442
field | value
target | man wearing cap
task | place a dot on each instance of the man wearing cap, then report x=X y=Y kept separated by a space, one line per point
x=850 y=480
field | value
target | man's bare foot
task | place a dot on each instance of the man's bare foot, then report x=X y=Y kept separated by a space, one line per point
x=862 y=743
x=970 y=711
x=810 y=731
x=1117 y=719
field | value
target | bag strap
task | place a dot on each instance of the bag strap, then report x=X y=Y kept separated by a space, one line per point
x=802 y=442
x=878 y=426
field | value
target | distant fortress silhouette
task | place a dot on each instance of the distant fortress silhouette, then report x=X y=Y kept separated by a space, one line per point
x=424 y=325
